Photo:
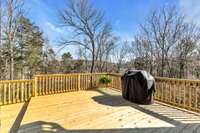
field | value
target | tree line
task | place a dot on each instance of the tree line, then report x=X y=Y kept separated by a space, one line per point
x=24 y=51
x=166 y=45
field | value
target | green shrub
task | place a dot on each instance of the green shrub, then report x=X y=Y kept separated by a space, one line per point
x=104 y=80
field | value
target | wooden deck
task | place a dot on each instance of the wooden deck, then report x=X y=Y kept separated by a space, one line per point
x=94 y=111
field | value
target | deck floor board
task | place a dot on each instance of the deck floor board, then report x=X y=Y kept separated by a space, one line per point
x=103 y=111
x=8 y=116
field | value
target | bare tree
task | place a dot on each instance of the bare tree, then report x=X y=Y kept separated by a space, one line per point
x=105 y=43
x=119 y=55
x=143 y=51
x=166 y=43
x=190 y=36
x=163 y=30
x=83 y=55
x=12 y=20
x=87 y=23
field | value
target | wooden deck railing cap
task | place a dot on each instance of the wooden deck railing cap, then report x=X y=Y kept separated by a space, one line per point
x=68 y=74
x=175 y=79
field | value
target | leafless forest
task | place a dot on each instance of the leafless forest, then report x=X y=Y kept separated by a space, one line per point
x=166 y=44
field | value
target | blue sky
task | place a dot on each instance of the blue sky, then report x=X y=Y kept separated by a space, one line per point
x=125 y=15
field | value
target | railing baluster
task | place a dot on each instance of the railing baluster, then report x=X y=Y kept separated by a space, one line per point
x=40 y=86
x=14 y=92
x=196 y=96
x=25 y=90
x=5 y=93
x=190 y=96
x=61 y=84
x=29 y=90
x=46 y=86
x=43 y=86
x=75 y=83
x=18 y=92
x=54 y=85
x=174 y=91
x=56 y=91
x=1 y=94
x=79 y=82
x=22 y=92
x=63 y=80
x=58 y=84
x=179 y=93
x=61 y=90
x=84 y=82
x=71 y=83
x=184 y=94
x=66 y=83
x=9 y=93
x=49 y=87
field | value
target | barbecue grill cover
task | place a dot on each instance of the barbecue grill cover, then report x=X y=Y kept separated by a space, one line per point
x=138 y=86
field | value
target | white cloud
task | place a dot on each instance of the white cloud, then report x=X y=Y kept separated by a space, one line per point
x=191 y=8
x=54 y=28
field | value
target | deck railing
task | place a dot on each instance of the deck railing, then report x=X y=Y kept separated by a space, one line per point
x=115 y=80
x=58 y=83
x=179 y=92
x=183 y=93
x=14 y=91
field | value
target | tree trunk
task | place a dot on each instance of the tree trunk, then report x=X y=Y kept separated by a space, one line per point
x=151 y=67
x=92 y=66
x=6 y=69
x=11 y=62
x=181 y=71
x=162 y=64
x=93 y=56
x=10 y=38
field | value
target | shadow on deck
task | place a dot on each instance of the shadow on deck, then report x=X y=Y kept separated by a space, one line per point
x=118 y=116
x=50 y=127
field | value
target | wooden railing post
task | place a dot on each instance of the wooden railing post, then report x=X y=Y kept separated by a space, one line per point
x=35 y=86
x=79 y=82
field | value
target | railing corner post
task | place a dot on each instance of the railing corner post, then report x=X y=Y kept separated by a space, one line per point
x=35 y=85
